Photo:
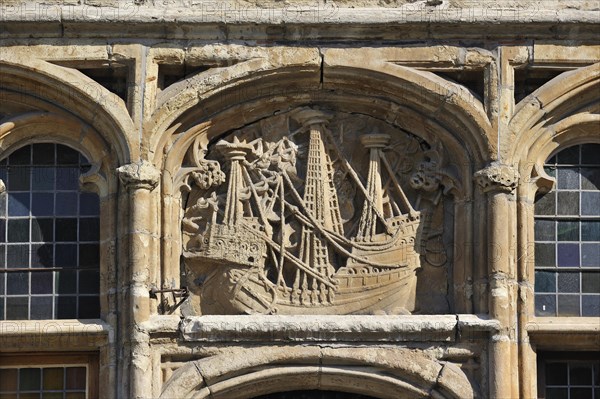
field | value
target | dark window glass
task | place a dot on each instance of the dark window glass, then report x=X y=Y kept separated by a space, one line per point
x=89 y=307
x=545 y=281
x=42 y=232
x=43 y=154
x=66 y=255
x=567 y=231
x=66 y=307
x=544 y=230
x=590 y=305
x=41 y=307
x=568 y=282
x=590 y=154
x=17 y=283
x=29 y=379
x=66 y=229
x=41 y=283
x=89 y=229
x=567 y=236
x=567 y=203
x=42 y=204
x=17 y=256
x=545 y=305
x=18 y=230
x=18 y=179
x=2 y=230
x=47 y=382
x=590 y=282
x=18 y=204
x=17 y=308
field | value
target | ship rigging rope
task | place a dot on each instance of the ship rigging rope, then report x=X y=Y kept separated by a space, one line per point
x=290 y=257
x=332 y=240
x=354 y=175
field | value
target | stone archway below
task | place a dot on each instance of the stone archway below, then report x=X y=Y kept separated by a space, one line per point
x=381 y=373
x=313 y=394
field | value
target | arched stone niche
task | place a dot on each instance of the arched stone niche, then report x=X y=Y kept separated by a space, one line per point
x=377 y=181
x=376 y=372
x=416 y=102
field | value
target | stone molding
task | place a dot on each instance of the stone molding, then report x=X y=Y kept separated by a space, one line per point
x=139 y=175
x=40 y=335
x=382 y=372
x=497 y=177
x=276 y=328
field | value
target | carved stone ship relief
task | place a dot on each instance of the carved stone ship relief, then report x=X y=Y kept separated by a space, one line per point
x=281 y=221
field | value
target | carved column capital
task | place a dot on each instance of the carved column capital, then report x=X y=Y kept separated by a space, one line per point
x=2 y=187
x=139 y=175
x=497 y=177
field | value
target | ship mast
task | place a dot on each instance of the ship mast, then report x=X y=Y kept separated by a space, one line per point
x=235 y=152
x=320 y=199
x=373 y=205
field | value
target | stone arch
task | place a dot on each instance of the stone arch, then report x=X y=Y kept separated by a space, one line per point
x=562 y=113
x=210 y=104
x=35 y=85
x=45 y=103
x=227 y=98
x=383 y=373
x=564 y=101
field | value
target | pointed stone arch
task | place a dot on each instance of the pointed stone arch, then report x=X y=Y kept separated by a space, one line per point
x=36 y=85
x=552 y=107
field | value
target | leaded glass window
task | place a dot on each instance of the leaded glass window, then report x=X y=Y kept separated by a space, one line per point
x=53 y=382
x=567 y=236
x=564 y=375
x=49 y=236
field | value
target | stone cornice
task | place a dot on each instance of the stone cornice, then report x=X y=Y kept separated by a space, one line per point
x=236 y=20
x=140 y=175
x=497 y=177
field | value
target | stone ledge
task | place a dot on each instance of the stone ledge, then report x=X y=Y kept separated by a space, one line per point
x=573 y=333
x=355 y=328
x=577 y=325
x=20 y=335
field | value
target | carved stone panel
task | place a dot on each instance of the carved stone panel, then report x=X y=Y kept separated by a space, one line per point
x=314 y=212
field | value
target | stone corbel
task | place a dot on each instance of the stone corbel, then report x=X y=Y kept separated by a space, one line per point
x=540 y=180
x=94 y=181
x=139 y=175
x=497 y=177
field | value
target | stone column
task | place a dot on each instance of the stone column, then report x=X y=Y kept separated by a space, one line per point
x=139 y=179
x=498 y=182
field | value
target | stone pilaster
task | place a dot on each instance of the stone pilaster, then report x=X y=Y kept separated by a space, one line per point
x=498 y=182
x=139 y=179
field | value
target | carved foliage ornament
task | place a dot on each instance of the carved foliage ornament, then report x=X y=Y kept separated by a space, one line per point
x=140 y=175
x=497 y=177
x=291 y=217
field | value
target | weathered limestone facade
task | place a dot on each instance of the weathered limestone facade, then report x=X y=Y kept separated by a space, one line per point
x=475 y=96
